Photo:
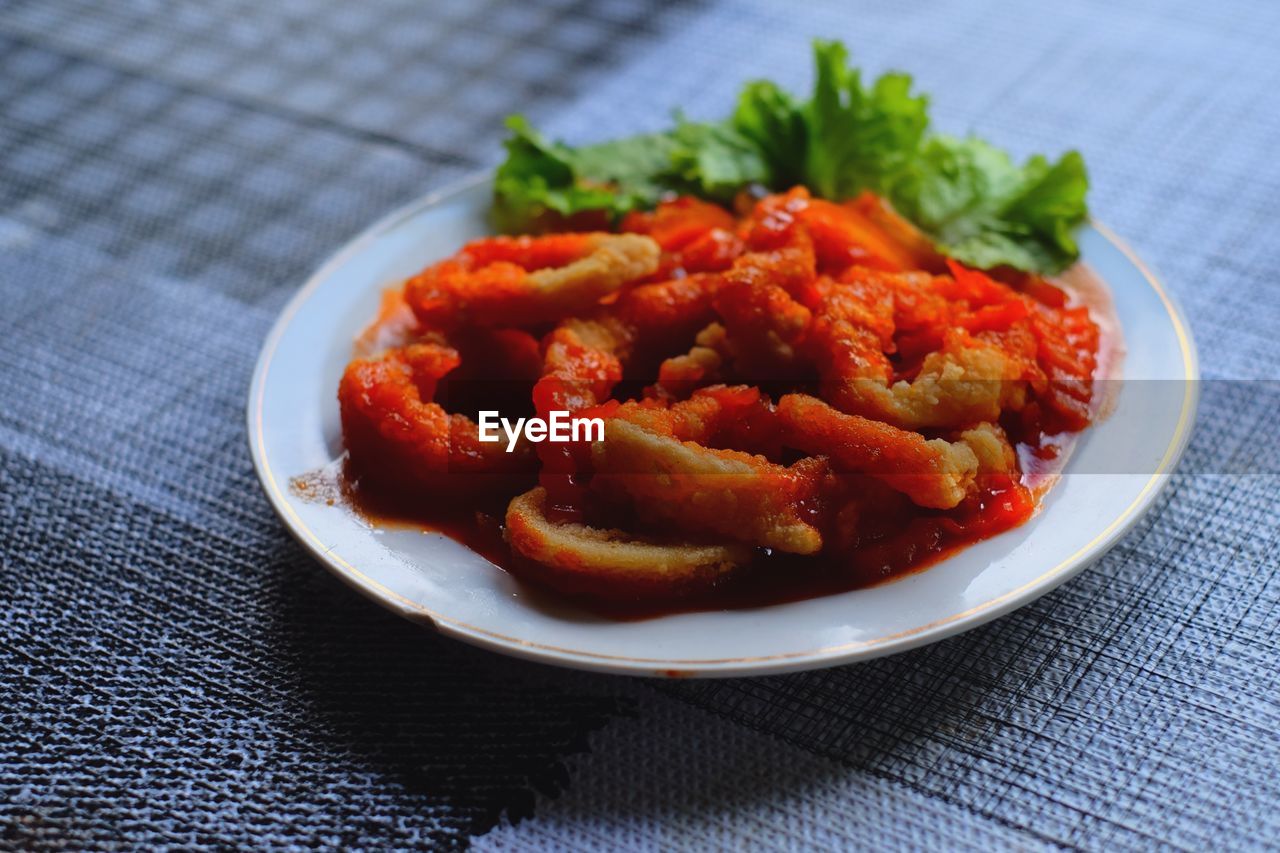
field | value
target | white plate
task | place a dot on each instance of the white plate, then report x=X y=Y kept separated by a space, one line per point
x=294 y=428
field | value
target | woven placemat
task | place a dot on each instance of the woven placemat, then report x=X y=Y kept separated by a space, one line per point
x=175 y=671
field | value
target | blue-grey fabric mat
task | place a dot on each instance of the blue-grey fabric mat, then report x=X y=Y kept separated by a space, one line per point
x=174 y=671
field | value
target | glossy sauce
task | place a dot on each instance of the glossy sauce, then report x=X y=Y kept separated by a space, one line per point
x=923 y=538
x=910 y=541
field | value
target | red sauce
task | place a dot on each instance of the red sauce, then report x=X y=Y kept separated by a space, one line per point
x=890 y=539
x=912 y=541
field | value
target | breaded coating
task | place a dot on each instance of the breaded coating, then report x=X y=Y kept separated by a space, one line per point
x=613 y=562
x=789 y=376
x=762 y=306
x=966 y=381
x=932 y=472
x=524 y=281
x=612 y=261
x=702 y=365
x=584 y=357
x=992 y=448
x=394 y=429
x=582 y=361
x=692 y=487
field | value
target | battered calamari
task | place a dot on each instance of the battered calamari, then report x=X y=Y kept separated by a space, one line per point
x=805 y=378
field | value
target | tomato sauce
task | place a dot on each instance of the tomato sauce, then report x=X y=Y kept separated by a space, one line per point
x=1063 y=333
x=911 y=542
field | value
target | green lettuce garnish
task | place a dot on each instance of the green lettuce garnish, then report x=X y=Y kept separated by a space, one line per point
x=714 y=160
x=984 y=210
x=775 y=123
x=858 y=137
x=541 y=176
x=976 y=204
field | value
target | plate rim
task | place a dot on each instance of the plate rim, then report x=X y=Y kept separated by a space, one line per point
x=821 y=657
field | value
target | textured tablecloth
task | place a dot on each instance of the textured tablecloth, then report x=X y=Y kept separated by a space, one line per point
x=174 y=670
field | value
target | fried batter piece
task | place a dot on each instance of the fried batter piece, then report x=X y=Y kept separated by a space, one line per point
x=1050 y=348
x=680 y=375
x=1067 y=346
x=970 y=378
x=394 y=431
x=729 y=492
x=614 y=563
x=992 y=448
x=893 y=368
x=738 y=417
x=695 y=236
x=932 y=472
x=762 y=307
x=524 y=281
x=582 y=361
x=667 y=312
x=584 y=358
x=967 y=380
x=853 y=327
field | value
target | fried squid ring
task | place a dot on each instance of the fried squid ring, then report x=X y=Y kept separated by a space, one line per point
x=581 y=362
x=584 y=358
x=723 y=417
x=931 y=472
x=524 y=281
x=729 y=492
x=967 y=381
x=894 y=380
x=695 y=236
x=762 y=305
x=613 y=563
x=973 y=377
x=680 y=375
x=395 y=431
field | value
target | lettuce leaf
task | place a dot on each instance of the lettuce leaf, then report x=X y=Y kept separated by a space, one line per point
x=986 y=211
x=858 y=137
x=966 y=195
x=541 y=176
x=715 y=160
x=773 y=121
